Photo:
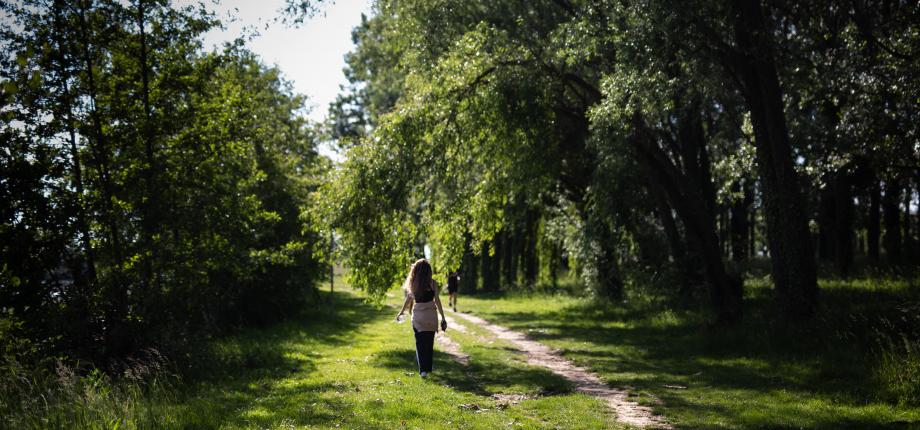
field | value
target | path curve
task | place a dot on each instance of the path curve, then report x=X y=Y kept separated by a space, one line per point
x=538 y=354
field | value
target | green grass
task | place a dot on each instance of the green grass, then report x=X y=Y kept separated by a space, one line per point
x=761 y=374
x=351 y=367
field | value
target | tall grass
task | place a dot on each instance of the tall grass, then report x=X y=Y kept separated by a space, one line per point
x=899 y=373
x=898 y=370
x=60 y=398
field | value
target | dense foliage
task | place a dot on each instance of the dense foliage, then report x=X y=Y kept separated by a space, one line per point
x=151 y=192
x=630 y=141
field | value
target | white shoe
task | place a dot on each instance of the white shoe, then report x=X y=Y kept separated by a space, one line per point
x=424 y=374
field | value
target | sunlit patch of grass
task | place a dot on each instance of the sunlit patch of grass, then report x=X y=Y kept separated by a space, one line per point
x=351 y=367
x=342 y=367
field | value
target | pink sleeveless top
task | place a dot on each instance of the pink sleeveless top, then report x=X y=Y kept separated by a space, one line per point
x=425 y=314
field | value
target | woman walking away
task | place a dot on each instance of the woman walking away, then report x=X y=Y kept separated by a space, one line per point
x=453 y=284
x=424 y=304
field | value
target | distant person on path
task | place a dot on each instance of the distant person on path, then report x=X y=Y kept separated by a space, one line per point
x=423 y=302
x=453 y=284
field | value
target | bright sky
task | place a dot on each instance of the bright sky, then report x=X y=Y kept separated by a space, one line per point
x=310 y=55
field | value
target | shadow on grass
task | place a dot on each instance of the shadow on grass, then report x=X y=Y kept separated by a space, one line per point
x=480 y=375
x=818 y=373
x=238 y=381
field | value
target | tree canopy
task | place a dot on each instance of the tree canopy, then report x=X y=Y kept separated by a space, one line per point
x=151 y=191
x=633 y=140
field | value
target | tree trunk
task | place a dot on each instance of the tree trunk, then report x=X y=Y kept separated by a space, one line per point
x=530 y=258
x=826 y=223
x=873 y=230
x=98 y=144
x=85 y=278
x=469 y=268
x=508 y=269
x=843 y=224
x=687 y=194
x=554 y=262
x=496 y=262
x=608 y=268
x=753 y=225
x=908 y=251
x=151 y=206
x=689 y=275
x=485 y=264
x=675 y=243
x=118 y=338
x=77 y=167
x=891 y=213
x=516 y=250
x=739 y=222
x=794 y=269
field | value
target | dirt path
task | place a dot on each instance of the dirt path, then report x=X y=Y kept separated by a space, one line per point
x=538 y=354
x=451 y=347
x=452 y=324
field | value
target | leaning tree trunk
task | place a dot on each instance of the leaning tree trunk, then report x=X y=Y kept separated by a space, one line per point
x=675 y=243
x=687 y=193
x=792 y=257
x=677 y=246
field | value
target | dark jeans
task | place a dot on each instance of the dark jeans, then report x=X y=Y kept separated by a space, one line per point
x=424 y=349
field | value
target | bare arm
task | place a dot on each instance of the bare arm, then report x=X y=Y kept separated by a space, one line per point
x=407 y=303
x=437 y=302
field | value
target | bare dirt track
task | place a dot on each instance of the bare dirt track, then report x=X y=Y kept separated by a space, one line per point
x=537 y=354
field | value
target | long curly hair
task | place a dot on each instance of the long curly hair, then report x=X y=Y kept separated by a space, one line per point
x=419 y=278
